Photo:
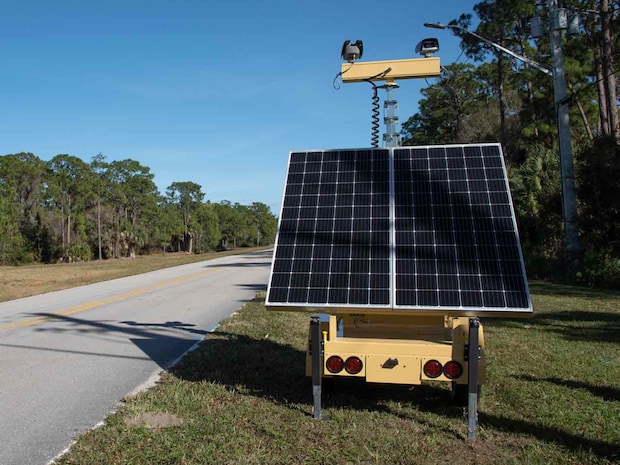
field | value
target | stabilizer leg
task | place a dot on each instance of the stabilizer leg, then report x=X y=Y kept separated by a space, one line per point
x=317 y=365
x=472 y=378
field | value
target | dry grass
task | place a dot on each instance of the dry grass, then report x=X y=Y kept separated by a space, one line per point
x=25 y=281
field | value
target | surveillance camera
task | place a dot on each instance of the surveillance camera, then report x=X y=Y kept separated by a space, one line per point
x=351 y=52
x=427 y=47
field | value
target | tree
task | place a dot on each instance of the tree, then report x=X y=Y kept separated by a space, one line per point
x=601 y=26
x=599 y=192
x=68 y=189
x=207 y=227
x=68 y=209
x=230 y=223
x=134 y=197
x=499 y=19
x=165 y=224
x=266 y=224
x=11 y=240
x=22 y=186
x=507 y=24
x=449 y=109
x=187 y=196
x=99 y=166
x=537 y=198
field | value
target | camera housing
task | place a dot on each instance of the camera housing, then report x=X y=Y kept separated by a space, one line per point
x=427 y=47
x=352 y=51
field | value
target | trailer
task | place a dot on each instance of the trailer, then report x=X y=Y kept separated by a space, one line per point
x=397 y=252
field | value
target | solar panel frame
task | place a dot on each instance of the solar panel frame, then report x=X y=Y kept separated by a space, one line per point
x=340 y=189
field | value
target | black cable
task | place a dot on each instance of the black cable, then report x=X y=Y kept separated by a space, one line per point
x=375 y=118
x=335 y=81
x=376 y=109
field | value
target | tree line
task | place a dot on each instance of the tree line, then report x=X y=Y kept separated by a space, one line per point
x=66 y=209
x=489 y=97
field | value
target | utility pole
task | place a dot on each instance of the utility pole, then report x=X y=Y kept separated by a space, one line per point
x=569 y=197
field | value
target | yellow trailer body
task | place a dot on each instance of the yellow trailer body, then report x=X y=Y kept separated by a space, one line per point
x=396 y=349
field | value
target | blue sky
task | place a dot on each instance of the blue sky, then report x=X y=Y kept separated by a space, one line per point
x=214 y=93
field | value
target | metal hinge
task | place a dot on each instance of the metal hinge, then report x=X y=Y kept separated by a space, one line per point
x=466 y=354
x=322 y=350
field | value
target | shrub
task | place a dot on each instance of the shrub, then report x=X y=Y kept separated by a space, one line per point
x=77 y=252
x=600 y=269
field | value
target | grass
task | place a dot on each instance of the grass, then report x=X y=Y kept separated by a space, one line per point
x=552 y=397
x=24 y=281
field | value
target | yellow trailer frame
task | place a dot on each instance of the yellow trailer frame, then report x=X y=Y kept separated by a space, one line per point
x=394 y=348
x=390 y=70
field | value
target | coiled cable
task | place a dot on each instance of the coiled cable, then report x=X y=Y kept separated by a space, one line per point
x=376 y=109
x=375 y=118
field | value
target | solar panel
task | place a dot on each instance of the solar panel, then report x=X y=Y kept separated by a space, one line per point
x=410 y=229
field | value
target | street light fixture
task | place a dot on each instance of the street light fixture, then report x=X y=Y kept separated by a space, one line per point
x=569 y=197
x=493 y=44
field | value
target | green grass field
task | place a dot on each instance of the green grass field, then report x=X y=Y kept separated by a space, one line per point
x=552 y=397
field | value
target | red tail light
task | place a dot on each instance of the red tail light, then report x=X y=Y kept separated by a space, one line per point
x=353 y=365
x=334 y=364
x=452 y=369
x=432 y=369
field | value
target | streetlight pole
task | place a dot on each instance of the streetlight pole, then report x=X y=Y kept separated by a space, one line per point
x=569 y=197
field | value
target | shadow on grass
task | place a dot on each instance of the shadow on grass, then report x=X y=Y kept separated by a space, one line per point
x=604 y=392
x=274 y=371
x=576 y=325
x=582 y=325
x=553 y=435
x=560 y=290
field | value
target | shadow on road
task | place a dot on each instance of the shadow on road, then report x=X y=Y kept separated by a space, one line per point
x=254 y=287
x=168 y=324
x=255 y=259
x=156 y=340
x=239 y=265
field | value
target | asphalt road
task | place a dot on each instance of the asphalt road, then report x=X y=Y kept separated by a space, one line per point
x=67 y=358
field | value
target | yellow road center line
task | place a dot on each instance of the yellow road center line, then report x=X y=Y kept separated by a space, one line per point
x=33 y=321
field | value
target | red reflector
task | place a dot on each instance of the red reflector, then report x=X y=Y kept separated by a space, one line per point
x=432 y=369
x=334 y=364
x=353 y=365
x=452 y=369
